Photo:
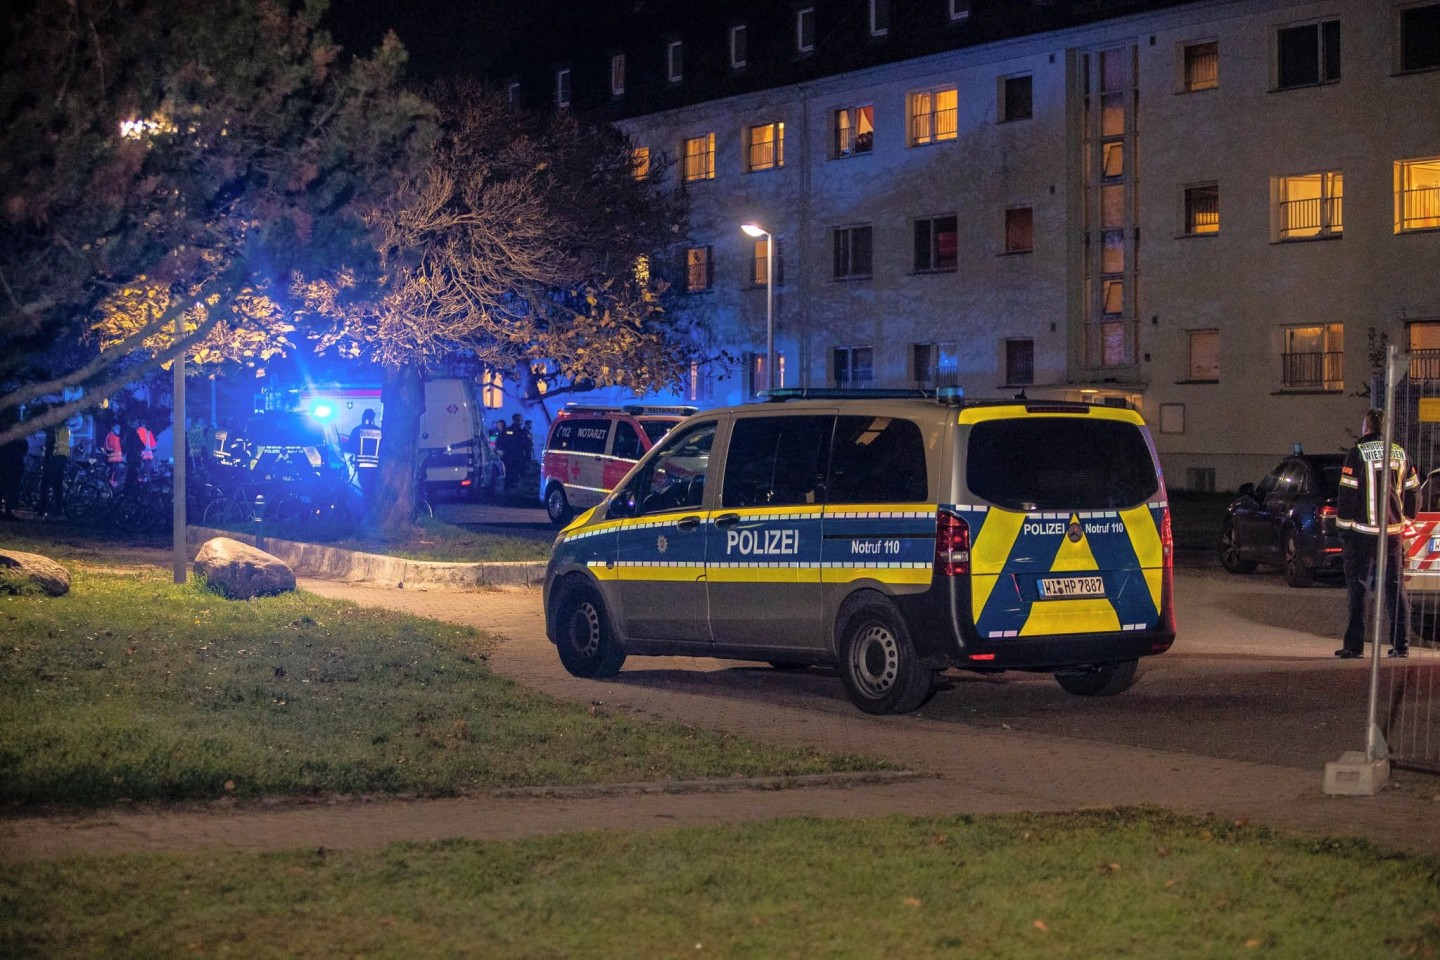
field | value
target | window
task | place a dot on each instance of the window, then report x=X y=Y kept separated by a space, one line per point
x=758 y=380
x=579 y=435
x=512 y=93
x=777 y=461
x=1204 y=355
x=1307 y=54
x=1313 y=357
x=1019 y=230
x=699 y=385
x=766 y=147
x=852 y=252
x=1309 y=205
x=699 y=155
x=1172 y=420
x=640 y=158
x=758 y=276
x=562 y=88
x=933 y=116
x=936 y=364
x=699 y=269
x=935 y=244
x=1201 y=66
x=1417 y=194
x=674 y=479
x=626 y=442
x=675 y=60
x=854 y=131
x=1016 y=98
x=617 y=74
x=852 y=366
x=805 y=30
x=1112 y=298
x=1424 y=348
x=877 y=460
x=879 y=17
x=1420 y=37
x=739 y=43
x=1019 y=362
x=958 y=9
x=1202 y=209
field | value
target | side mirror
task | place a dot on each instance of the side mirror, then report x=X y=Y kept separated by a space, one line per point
x=622 y=504
x=1246 y=490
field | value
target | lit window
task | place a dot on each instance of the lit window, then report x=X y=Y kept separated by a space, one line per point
x=1017 y=101
x=675 y=60
x=759 y=271
x=617 y=75
x=640 y=159
x=767 y=147
x=879 y=17
x=1019 y=230
x=1019 y=362
x=492 y=391
x=1201 y=66
x=1112 y=159
x=758 y=378
x=853 y=366
x=1204 y=355
x=936 y=364
x=1307 y=54
x=1420 y=37
x=805 y=30
x=1310 y=205
x=1417 y=194
x=699 y=155
x=1424 y=350
x=852 y=252
x=854 y=131
x=935 y=244
x=1313 y=358
x=739 y=41
x=1112 y=298
x=698 y=385
x=933 y=116
x=562 y=88
x=699 y=267
x=1202 y=209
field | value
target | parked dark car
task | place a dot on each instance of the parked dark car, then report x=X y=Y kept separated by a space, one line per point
x=1287 y=520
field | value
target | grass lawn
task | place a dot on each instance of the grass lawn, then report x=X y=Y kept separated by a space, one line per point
x=133 y=687
x=1141 y=884
x=433 y=539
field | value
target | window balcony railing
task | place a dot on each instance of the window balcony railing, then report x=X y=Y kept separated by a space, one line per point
x=1420 y=208
x=1313 y=371
x=1307 y=218
x=1425 y=364
x=935 y=380
x=1202 y=214
x=855 y=383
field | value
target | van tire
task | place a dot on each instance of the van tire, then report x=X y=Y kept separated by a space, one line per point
x=583 y=636
x=557 y=505
x=878 y=663
x=1101 y=680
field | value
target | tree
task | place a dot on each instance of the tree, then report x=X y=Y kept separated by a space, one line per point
x=519 y=241
x=180 y=158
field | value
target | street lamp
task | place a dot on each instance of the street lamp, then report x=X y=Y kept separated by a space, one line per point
x=757 y=231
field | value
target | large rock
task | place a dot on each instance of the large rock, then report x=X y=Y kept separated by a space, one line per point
x=239 y=571
x=41 y=571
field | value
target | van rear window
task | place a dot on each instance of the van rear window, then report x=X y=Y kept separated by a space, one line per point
x=1054 y=463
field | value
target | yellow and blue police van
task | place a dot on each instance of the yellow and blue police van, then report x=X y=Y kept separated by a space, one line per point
x=886 y=534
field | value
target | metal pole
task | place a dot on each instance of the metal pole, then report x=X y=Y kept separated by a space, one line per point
x=770 y=311
x=1375 y=746
x=177 y=444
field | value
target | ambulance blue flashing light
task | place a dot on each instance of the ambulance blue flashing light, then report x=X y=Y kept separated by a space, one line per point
x=321 y=411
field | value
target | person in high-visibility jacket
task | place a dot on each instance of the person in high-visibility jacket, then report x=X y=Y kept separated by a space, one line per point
x=365 y=446
x=114 y=452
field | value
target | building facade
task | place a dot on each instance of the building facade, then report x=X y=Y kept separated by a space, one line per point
x=1216 y=211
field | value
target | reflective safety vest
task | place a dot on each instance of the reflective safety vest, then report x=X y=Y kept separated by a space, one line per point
x=367 y=447
x=114 y=452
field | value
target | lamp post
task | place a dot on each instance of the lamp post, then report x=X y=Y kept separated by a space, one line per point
x=757 y=231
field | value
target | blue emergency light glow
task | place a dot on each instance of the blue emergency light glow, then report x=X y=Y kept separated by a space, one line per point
x=321 y=410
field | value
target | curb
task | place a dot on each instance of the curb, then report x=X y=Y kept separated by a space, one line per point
x=332 y=563
x=730 y=785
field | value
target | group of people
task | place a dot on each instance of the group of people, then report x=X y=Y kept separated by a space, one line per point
x=515 y=442
x=132 y=445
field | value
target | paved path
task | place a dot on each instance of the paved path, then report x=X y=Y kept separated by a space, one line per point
x=964 y=768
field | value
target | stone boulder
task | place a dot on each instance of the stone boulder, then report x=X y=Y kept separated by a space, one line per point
x=239 y=571
x=45 y=573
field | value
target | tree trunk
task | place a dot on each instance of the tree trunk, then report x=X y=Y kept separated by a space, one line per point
x=391 y=507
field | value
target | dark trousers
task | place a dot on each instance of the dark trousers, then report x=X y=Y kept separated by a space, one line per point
x=1360 y=560
x=52 y=484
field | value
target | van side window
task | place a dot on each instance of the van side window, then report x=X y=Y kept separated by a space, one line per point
x=674 y=479
x=776 y=461
x=626 y=443
x=580 y=436
x=877 y=460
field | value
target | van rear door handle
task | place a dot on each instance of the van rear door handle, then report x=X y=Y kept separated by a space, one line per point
x=688 y=523
x=727 y=519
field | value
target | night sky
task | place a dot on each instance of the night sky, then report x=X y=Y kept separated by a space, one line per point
x=444 y=37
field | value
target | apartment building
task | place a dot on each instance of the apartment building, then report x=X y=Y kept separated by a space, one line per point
x=1215 y=211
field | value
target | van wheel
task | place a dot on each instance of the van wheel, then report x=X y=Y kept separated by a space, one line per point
x=878 y=663
x=1229 y=551
x=1296 y=573
x=1101 y=680
x=557 y=505
x=583 y=636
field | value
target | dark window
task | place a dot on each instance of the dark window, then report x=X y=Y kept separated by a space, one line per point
x=699 y=269
x=1019 y=100
x=675 y=478
x=1019 y=361
x=580 y=436
x=776 y=461
x=877 y=460
x=935 y=245
x=655 y=429
x=853 y=366
x=1420 y=37
x=1309 y=54
x=1019 y=230
x=626 y=443
x=1055 y=463
x=852 y=252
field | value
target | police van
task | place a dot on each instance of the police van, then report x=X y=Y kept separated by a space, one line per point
x=889 y=536
x=590 y=448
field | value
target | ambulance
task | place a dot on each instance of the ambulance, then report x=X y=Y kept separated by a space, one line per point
x=886 y=534
x=589 y=448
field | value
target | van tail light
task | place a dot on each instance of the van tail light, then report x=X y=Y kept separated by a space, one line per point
x=952 y=545
x=1167 y=538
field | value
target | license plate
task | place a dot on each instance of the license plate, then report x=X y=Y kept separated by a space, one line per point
x=1072 y=587
x=1435 y=544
